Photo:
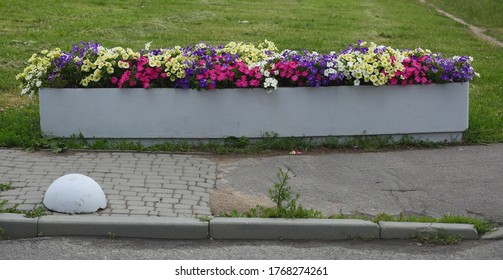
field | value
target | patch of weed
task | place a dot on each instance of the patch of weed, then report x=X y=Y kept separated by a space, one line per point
x=286 y=202
x=37 y=212
x=438 y=238
x=6 y=186
x=54 y=145
x=203 y=218
x=112 y=235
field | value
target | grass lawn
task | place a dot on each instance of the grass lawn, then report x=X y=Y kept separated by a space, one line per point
x=322 y=25
x=487 y=14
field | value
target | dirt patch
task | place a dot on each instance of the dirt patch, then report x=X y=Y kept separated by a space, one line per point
x=224 y=201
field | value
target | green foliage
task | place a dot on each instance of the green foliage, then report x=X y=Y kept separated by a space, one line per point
x=281 y=193
x=19 y=127
x=286 y=204
x=112 y=235
x=481 y=225
x=37 y=212
x=482 y=13
x=438 y=238
x=54 y=145
x=235 y=142
x=4 y=187
x=203 y=218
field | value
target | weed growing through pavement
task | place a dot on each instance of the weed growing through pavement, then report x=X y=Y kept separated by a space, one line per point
x=287 y=205
x=37 y=212
x=438 y=238
x=4 y=187
x=203 y=218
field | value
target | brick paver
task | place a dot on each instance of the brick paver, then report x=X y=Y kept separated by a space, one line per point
x=155 y=184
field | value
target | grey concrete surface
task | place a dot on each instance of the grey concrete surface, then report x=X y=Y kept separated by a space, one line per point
x=56 y=248
x=462 y=180
x=145 y=184
x=340 y=111
x=401 y=230
x=288 y=229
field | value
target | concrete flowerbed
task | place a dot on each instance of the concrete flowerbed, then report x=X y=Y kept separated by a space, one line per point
x=436 y=112
x=202 y=92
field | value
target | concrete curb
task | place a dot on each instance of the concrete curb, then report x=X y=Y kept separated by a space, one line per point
x=406 y=230
x=318 y=229
x=498 y=234
x=17 y=226
x=127 y=226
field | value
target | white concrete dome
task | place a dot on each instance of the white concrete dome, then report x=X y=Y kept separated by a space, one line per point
x=75 y=193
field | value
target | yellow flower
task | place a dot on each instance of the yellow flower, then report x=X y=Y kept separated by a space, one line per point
x=84 y=82
x=123 y=64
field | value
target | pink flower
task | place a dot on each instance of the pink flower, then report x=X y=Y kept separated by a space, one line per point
x=114 y=80
x=255 y=83
x=124 y=78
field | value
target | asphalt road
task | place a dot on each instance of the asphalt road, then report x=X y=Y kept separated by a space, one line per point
x=83 y=248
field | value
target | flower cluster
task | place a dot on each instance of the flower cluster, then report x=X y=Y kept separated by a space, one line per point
x=238 y=65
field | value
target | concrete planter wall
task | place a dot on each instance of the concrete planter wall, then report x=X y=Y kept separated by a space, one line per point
x=434 y=112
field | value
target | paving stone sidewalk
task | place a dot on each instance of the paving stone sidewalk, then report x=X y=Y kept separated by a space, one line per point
x=152 y=184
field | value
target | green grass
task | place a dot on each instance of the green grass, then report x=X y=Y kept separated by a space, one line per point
x=5 y=186
x=37 y=212
x=321 y=25
x=482 y=13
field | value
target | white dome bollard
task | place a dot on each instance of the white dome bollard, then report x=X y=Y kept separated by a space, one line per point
x=75 y=193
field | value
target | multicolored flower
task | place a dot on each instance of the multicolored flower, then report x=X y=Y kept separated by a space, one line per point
x=240 y=65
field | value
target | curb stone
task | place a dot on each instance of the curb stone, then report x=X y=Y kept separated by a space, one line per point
x=498 y=234
x=124 y=226
x=406 y=230
x=18 y=226
x=314 y=229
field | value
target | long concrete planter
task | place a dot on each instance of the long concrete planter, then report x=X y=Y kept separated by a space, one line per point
x=434 y=112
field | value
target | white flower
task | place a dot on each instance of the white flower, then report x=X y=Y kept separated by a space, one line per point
x=147 y=46
x=271 y=83
x=357 y=82
x=38 y=83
